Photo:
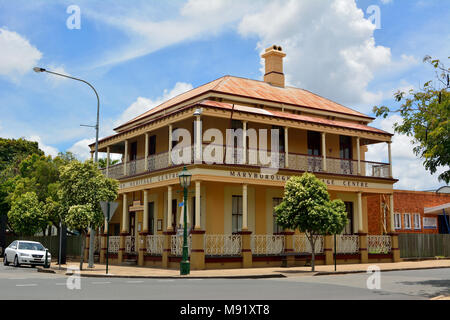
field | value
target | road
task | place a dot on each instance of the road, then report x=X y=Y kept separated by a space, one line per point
x=26 y=283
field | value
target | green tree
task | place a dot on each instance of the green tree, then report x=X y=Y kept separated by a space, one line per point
x=12 y=152
x=26 y=214
x=13 y=149
x=102 y=163
x=82 y=187
x=307 y=207
x=425 y=113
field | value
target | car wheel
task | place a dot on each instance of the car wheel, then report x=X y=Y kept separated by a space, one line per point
x=16 y=262
x=5 y=261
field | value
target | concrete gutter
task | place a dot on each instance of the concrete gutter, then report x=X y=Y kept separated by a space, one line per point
x=328 y=273
x=252 y=276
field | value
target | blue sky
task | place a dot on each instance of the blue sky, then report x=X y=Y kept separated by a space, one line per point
x=137 y=56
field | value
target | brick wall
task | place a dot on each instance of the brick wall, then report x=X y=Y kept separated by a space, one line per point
x=404 y=202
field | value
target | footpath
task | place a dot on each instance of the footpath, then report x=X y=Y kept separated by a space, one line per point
x=99 y=270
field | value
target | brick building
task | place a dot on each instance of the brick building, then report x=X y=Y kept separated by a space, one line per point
x=414 y=212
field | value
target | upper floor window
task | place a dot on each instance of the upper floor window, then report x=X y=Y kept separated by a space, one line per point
x=397 y=221
x=407 y=220
x=281 y=146
x=314 y=143
x=417 y=221
x=152 y=145
x=345 y=147
x=133 y=151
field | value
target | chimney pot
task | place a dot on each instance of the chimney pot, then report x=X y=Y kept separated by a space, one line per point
x=273 y=57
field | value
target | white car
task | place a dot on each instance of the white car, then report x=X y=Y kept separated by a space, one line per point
x=26 y=252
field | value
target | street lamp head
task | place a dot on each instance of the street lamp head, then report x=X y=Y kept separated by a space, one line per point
x=37 y=69
x=185 y=178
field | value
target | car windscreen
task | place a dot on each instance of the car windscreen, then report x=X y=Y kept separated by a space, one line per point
x=31 y=246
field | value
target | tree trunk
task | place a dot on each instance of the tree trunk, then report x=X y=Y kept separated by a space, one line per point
x=312 y=242
x=83 y=241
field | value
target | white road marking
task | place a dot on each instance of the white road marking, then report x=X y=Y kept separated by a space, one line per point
x=26 y=285
x=135 y=281
x=61 y=284
x=102 y=282
x=165 y=280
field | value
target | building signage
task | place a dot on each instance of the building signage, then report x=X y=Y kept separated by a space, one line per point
x=277 y=177
x=429 y=223
x=245 y=175
x=148 y=180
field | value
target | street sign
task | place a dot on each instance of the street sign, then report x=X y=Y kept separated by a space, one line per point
x=112 y=208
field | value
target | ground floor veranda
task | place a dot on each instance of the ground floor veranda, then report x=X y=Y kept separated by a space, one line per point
x=232 y=225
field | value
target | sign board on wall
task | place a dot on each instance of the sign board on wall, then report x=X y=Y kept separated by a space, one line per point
x=429 y=223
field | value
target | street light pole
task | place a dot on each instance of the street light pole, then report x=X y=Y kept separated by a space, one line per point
x=185 y=181
x=37 y=69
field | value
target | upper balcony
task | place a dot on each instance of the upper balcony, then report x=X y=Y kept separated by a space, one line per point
x=320 y=146
x=253 y=159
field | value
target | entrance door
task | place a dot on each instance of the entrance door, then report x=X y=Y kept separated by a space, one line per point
x=346 y=154
x=151 y=218
x=133 y=158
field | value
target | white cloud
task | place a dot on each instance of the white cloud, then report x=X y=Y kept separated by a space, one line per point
x=330 y=47
x=48 y=150
x=81 y=149
x=55 y=80
x=17 y=55
x=407 y=167
x=142 y=104
x=194 y=19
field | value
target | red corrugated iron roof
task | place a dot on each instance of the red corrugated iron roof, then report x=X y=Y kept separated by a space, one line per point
x=279 y=114
x=291 y=116
x=257 y=90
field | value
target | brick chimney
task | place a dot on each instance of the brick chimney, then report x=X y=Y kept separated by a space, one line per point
x=273 y=57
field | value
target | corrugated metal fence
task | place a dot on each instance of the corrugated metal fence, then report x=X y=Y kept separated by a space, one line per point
x=424 y=245
x=52 y=244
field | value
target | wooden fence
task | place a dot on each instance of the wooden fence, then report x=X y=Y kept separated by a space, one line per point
x=424 y=245
x=52 y=244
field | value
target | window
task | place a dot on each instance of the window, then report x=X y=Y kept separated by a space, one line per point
x=133 y=153
x=417 y=221
x=349 y=227
x=276 y=227
x=397 y=221
x=345 y=146
x=236 y=214
x=407 y=220
x=281 y=140
x=152 y=145
x=314 y=143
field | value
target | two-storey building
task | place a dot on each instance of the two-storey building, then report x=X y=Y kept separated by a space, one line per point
x=230 y=204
